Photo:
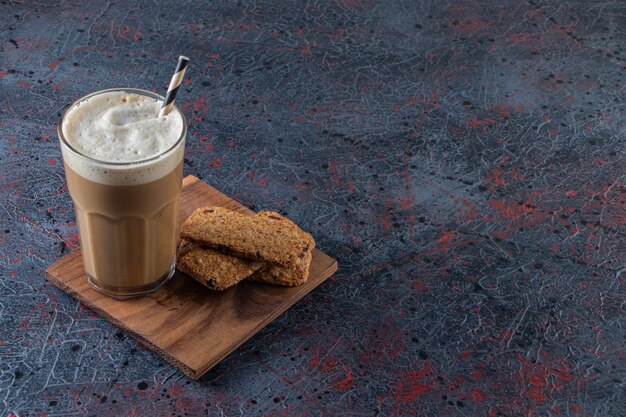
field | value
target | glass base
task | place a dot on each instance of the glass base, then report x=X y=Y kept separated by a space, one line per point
x=125 y=293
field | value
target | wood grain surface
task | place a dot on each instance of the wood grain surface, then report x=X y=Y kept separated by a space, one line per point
x=189 y=325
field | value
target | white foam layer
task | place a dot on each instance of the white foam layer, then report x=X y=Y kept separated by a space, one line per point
x=119 y=126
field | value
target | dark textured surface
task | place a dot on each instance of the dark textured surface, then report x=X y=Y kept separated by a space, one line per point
x=464 y=162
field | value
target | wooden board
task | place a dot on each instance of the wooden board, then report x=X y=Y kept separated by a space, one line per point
x=189 y=325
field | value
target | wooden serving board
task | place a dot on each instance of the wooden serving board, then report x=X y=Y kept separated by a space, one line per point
x=189 y=325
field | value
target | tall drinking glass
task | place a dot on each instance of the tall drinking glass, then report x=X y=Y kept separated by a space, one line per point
x=126 y=204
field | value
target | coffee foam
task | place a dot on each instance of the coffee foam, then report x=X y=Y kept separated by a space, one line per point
x=121 y=127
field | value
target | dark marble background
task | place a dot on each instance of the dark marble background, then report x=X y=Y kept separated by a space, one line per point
x=463 y=160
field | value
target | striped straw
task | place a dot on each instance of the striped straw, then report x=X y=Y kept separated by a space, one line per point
x=172 y=90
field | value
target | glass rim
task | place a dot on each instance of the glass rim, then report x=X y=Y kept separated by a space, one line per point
x=148 y=93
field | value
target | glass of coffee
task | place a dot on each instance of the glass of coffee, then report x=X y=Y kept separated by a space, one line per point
x=124 y=165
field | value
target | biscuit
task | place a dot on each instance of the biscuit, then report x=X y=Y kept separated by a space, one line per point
x=270 y=238
x=211 y=268
x=283 y=275
x=279 y=275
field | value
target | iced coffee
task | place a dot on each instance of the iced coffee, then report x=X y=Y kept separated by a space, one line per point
x=123 y=164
